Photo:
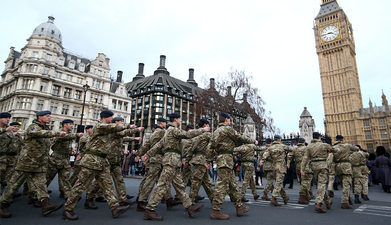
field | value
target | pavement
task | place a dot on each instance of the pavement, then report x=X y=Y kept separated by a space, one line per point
x=375 y=211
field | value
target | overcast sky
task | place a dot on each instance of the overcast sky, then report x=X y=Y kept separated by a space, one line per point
x=271 y=40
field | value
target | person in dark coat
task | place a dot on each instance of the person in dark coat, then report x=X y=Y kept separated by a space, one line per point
x=258 y=171
x=383 y=164
x=372 y=167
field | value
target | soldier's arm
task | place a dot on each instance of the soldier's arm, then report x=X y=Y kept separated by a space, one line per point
x=187 y=134
x=111 y=128
x=265 y=155
x=330 y=159
x=289 y=158
x=306 y=159
x=240 y=138
x=240 y=150
x=209 y=154
x=42 y=133
x=67 y=137
x=155 y=149
x=129 y=132
x=128 y=139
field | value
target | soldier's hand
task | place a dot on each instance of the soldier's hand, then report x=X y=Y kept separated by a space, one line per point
x=302 y=172
x=80 y=135
x=78 y=158
x=141 y=129
x=207 y=129
x=16 y=133
x=132 y=126
x=288 y=166
x=8 y=129
x=330 y=171
x=138 y=138
x=256 y=142
x=62 y=134
x=207 y=165
x=144 y=158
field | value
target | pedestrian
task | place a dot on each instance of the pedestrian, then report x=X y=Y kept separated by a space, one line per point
x=258 y=171
x=383 y=165
x=132 y=162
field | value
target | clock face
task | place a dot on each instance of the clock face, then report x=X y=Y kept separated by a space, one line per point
x=329 y=33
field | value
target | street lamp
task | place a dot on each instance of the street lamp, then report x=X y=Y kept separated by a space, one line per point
x=85 y=88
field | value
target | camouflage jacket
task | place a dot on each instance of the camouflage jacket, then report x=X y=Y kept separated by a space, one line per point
x=223 y=142
x=5 y=141
x=117 y=142
x=156 y=136
x=363 y=163
x=99 y=145
x=299 y=155
x=342 y=154
x=316 y=155
x=187 y=146
x=200 y=153
x=170 y=144
x=247 y=152
x=14 y=148
x=331 y=163
x=62 y=149
x=267 y=164
x=35 y=151
x=356 y=160
x=82 y=147
x=277 y=153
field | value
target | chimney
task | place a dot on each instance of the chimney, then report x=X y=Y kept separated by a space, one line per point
x=191 y=78
x=212 y=83
x=162 y=62
x=119 y=76
x=229 y=94
x=141 y=69
x=244 y=97
x=162 y=68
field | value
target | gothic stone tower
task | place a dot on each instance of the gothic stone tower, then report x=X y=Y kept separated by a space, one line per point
x=338 y=71
x=306 y=125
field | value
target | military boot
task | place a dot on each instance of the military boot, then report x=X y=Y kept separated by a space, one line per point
x=218 y=215
x=152 y=215
x=350 y=200
x=256 y=197
x=328 y=206
x=302 y=200
x=357 y=199
x=4 y=211
x=178 y=200
x=244 y=199
x=274 y=202
x=119 y=210
x=241 y=210
x=331 y=194
x=127 y=202
x=69 y=215
x=141 y=206
x=319 y=208
x=199 y=198
x=48 y=208
x=193 y=209
x=171 y=203
x=264 y=196
x=37 y=204
x=365 y=197
x=286 y=198
x=89 y=204
x=31 y=200
x=346 y=206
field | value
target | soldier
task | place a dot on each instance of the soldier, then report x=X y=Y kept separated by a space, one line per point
x=268 y=169
x=305 y=181
x=317 y=153
x=59 y=161
x=332 y=183
x=343 y=169
x=171 y=168
x=202 y=156
x=223 y=142
x=95 y=165
x=114 y=157
x=5 y=140
x=359 y=180
x=32 y=165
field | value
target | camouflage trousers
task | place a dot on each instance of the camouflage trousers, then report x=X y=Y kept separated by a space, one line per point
x=278 y=186
x=119 y=183
x=226 y=183
x=63 y=177
x=360 y=185
x=270 y=177
x=169 y=175
x=200 y=177
x=248 y=179
x=330 y=186
x=36 y=183
x=187 y=174
x=75 y=174
x=151 y=177
x=85 y=178
x=305 y=184
x=10 y=167
x=321 y=177
x=346 y=181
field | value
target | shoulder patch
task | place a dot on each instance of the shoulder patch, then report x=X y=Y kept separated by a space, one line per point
x=32 y=128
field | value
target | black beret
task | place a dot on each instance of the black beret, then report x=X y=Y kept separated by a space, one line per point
x=204 y=121
x=14 y=123
x=277 y=136
x=225 y=115
x=316 y=134
x=306 y=144
x=42 y=113
x=89 y=126
x=67 y=121
x=106 y=113
x=174 y=115
x=339 y=136
x=118 y=118
x=5 y=115
x=358 y=146
x=190 y=126
x=380 y=150
x=301 y=139
x=269 y=140
x=161 y=119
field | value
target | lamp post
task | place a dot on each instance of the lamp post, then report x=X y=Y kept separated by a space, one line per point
x=85 y=88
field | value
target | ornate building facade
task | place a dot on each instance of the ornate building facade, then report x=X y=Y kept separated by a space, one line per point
x=306 y=125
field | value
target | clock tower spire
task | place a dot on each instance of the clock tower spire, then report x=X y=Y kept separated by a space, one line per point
x=336 y=52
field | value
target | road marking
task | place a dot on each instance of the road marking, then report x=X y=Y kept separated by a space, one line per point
x=374 y=210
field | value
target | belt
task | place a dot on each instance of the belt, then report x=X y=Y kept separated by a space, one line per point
x=8 y=153
x=268 y=160
x=97 y=154
x=363 y=164
x=160 y=153
x=61 y=153
x=383 y=165
x=318 y=160
x=225 y=152
x=343 y=161
x=200 y=153
x=247 y=161
x=356 y=165
x=173 y=150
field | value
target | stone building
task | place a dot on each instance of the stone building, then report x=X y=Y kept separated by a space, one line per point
x=306 y=125
x=46 y=76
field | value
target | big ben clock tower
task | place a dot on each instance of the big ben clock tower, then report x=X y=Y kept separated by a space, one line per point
x=338 y=71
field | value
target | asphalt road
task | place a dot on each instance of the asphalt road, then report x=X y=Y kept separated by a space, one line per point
x=377 y=210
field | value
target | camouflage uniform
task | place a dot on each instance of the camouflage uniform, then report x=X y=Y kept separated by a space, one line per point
x=153 y=166
x=247 y=152
x=360 y=182
x=343 y=167
x=171 y=173
x=270 y=174
x=199 y=156
x=316 y=157
x=223 y=141
x=82 y=150
x=5 y=141
x=305 y=181
x=365 y=172
x=187 y=174
x=32 y=161
x=12 y=154
x=59 y=162
x=95 y=165
x=331 y=165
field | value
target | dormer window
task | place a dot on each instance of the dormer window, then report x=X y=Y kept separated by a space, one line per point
x=68 y=57
x=78 y=60
x=100 y=63
x=71 y=65
x=60 y=62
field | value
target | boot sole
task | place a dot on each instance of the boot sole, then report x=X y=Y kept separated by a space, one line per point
x=64 y=218
x=50 y=211
x=217 y=218
x=320 y=211
x=196 y=211
x=121 y=212
x=147 y=218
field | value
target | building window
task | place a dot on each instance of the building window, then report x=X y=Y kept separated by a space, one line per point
x=67 y=92
x=382 y=122
x=28 y=84
x=368 y=135
x=97 y=84
x=35 y=54
x=39 y=105
x=95 y=98
x=78 y=60
x=56 y=90
x=95 y=114
x=48 y=57
x=114 y=104
x=53 y=107
x=81 y=68
x=46 y=70
x=383 y=134
x=65 y=109
x=24 y=103
x=43 y=86
x=159 y=88
x=103 y=85
x=366 y=123
x=125 y=106
x=139 y=100
x=101 y=99
x=79 y=80
x=169 y=99
x=57 y=74
x=69 y=77
x=93 y=83
x=99 y=73
x=100 y=63
x=77 y=95
x=71 y=65
x=119 y=105
x=32 y=68
x=121 y=91
x=76 y=111
x=369 y=146
x=60 y=62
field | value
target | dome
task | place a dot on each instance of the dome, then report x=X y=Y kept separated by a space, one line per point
x=48 y=28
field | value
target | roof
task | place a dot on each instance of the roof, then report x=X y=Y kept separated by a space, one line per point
x=68 y=55
x=305 y=113
x=48 y=28
x=328 y=8
x=376 y=109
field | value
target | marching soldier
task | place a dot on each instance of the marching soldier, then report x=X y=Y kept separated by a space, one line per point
x=359 y=181
x=268 y=169
x=5 y=140
x=332 y=184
